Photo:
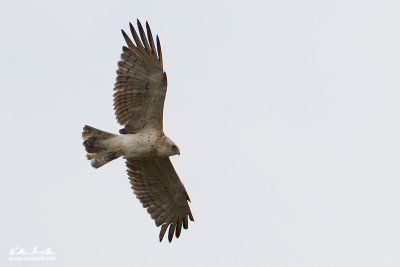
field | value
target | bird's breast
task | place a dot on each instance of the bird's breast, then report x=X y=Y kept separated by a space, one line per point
x=140 y=145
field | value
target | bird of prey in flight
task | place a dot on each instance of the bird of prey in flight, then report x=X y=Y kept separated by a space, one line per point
x=139 y=97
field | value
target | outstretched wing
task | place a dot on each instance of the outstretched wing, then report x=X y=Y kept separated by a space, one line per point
x=159 y=189
x=141 y=83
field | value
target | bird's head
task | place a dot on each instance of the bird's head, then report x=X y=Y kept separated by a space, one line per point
x=169 y=148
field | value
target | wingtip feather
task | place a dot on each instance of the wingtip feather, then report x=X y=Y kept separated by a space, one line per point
x=143 y=36
x=171 y=231
x=151 y=40
x=164 y=228
x=159 y=50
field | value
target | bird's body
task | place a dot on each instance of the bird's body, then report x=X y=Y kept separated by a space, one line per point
x=141 y=145
x=138 y=102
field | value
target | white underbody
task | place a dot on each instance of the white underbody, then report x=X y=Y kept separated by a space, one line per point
x=140 y=145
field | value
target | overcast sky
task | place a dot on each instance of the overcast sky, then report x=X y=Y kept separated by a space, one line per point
x=286 y=114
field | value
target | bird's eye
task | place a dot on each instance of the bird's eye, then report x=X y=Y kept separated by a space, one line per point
x=174 y=147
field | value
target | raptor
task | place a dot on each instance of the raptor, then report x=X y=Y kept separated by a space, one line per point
x=140 y=88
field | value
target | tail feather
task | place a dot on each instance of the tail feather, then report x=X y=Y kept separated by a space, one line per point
x=96 y=148
x=99 y=159
x=89 y=131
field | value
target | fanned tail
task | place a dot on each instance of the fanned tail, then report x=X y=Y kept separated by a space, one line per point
x=96 y=148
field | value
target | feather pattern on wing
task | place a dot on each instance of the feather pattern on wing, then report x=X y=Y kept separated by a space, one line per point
x=141 y=83
x=159 y=189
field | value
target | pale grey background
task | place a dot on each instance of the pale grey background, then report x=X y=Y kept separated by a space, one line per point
x=286 y=113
